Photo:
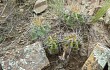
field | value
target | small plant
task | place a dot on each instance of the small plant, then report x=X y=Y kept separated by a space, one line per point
x=39 y=29
x=72 y=42
x=58 y=7
x=52 y=44
x=73 y=19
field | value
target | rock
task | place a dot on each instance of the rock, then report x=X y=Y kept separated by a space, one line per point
x=31 y=57
x=1 y=1
x=98 y=58
x=108 y=64
x=40 y=6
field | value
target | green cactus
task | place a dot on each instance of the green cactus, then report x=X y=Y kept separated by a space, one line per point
x=73 y=19
x=72 y=42
x=52 y=44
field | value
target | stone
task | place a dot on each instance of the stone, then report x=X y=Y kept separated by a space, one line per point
x=31 y=57
x=109 y=64
x=98 y=58
x=40 y=6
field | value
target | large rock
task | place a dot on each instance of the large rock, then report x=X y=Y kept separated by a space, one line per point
x=31 y=57
x=98 y=58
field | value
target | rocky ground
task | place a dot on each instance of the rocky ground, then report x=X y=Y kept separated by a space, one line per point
x=20 y=51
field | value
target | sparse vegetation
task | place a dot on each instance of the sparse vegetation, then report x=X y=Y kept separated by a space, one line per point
x=70 y=18
x=58 y=7
x=63 y=27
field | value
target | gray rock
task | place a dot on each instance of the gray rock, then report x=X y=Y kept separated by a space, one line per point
x=40 y=6
x=31 y=57
x=98 y=58
x=109 y=63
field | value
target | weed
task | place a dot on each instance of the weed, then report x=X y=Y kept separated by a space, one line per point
x=39 y=29
x=70 y=18
x=58 y=7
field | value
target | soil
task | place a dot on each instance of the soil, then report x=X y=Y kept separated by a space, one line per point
x=75 y=62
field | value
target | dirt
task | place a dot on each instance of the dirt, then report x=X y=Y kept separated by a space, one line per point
x=75 y=62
